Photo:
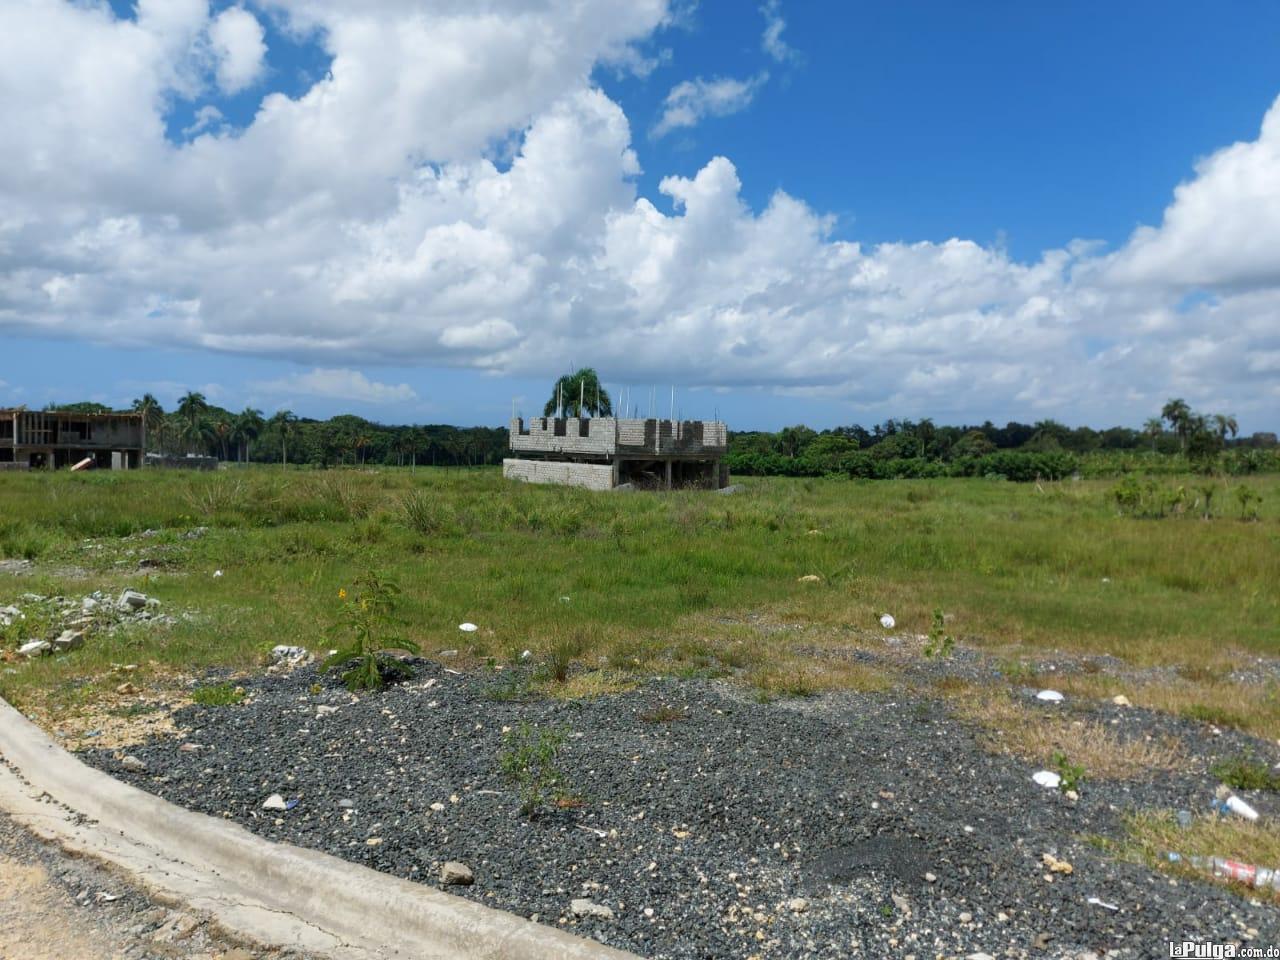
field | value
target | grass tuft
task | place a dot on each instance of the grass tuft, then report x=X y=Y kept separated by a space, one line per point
x=218 y=695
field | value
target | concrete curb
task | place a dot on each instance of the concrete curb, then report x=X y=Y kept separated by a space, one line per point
x=275 y=894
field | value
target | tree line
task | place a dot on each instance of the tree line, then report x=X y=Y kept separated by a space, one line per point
x=196 y=426
x=1178 y=439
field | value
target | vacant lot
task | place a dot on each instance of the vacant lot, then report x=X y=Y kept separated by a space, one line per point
x=685 y=583
x=647 y=629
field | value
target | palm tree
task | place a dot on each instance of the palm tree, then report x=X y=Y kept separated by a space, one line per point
x=1153 y=428
x=283 y=421
x=577 y=392
x=222 y=429
x=1225 y=424
x=1179 y=415
x=361 y=443
x=152 y=415
x=191 y=410
x=248 y=425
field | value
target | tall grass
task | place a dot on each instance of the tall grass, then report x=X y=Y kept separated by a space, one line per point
x=652 y=579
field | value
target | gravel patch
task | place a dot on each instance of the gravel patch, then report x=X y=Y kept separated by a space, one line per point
x=848 y=825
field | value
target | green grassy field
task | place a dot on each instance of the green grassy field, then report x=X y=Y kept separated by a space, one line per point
x=684 y=582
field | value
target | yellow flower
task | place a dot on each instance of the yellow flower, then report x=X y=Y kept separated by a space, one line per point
x=342 y=594
x=364 y=603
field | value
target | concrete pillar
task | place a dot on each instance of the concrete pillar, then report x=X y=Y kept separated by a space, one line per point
x=668 y=474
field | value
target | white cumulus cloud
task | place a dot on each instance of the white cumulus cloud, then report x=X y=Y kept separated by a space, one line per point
x=338 y=384
x=237 y=40
x=365 y=222
x=693 y=100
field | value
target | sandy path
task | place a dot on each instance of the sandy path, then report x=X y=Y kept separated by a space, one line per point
x=55 y=907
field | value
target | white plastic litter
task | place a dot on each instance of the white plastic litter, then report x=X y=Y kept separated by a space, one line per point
x=1053 y=696
x=217 y=573
x=526 y=654
x=1227 y=802
x=1047 y=778
x=888 y=622
x=468 y=627
x=1101 y=903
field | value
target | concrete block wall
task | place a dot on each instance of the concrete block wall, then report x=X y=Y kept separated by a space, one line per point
x=591 y=476
x=606 y=436
x=541 y=435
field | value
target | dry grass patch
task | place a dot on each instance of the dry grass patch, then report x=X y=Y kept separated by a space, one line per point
x=1038 y=736
x=1150 y=836
x=807 y=678
x=1250 y=707
x=592 y=683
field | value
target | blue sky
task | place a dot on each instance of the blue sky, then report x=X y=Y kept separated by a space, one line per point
x=806 y=276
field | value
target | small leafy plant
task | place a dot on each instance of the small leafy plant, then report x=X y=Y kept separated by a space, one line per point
x=1071 y=774
x=367 y=611
x=1250 y=500
x=217 y=695
x=664 y=713
x=940 y=643
x=1246 y=772
x=528 y=759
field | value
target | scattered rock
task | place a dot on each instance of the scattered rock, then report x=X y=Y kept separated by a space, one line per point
x=130 y=601
x=1120 y=700
x=69 y=640
x=966 y=917
x=283 y=654
x=458 y=874
x=126 y=690
x=797 y=904
x=1055 y=865
x=582 y=907
x=1050 y=696
x=468 y=627
x=730 y=489
x=133 y=764
x=888 y=622
x=323 y=710
x=1047 y=778
x=810 y=578
x=438 y=806
x=35 y=648
x=274 y=802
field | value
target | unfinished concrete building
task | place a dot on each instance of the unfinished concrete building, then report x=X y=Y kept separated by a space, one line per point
x=54 y=439
x=601 y=453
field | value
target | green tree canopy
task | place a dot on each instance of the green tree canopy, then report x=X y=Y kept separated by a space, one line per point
x=578 y=392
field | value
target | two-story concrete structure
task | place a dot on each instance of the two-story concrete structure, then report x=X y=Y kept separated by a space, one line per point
x=55 y=439
x=601 y=453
